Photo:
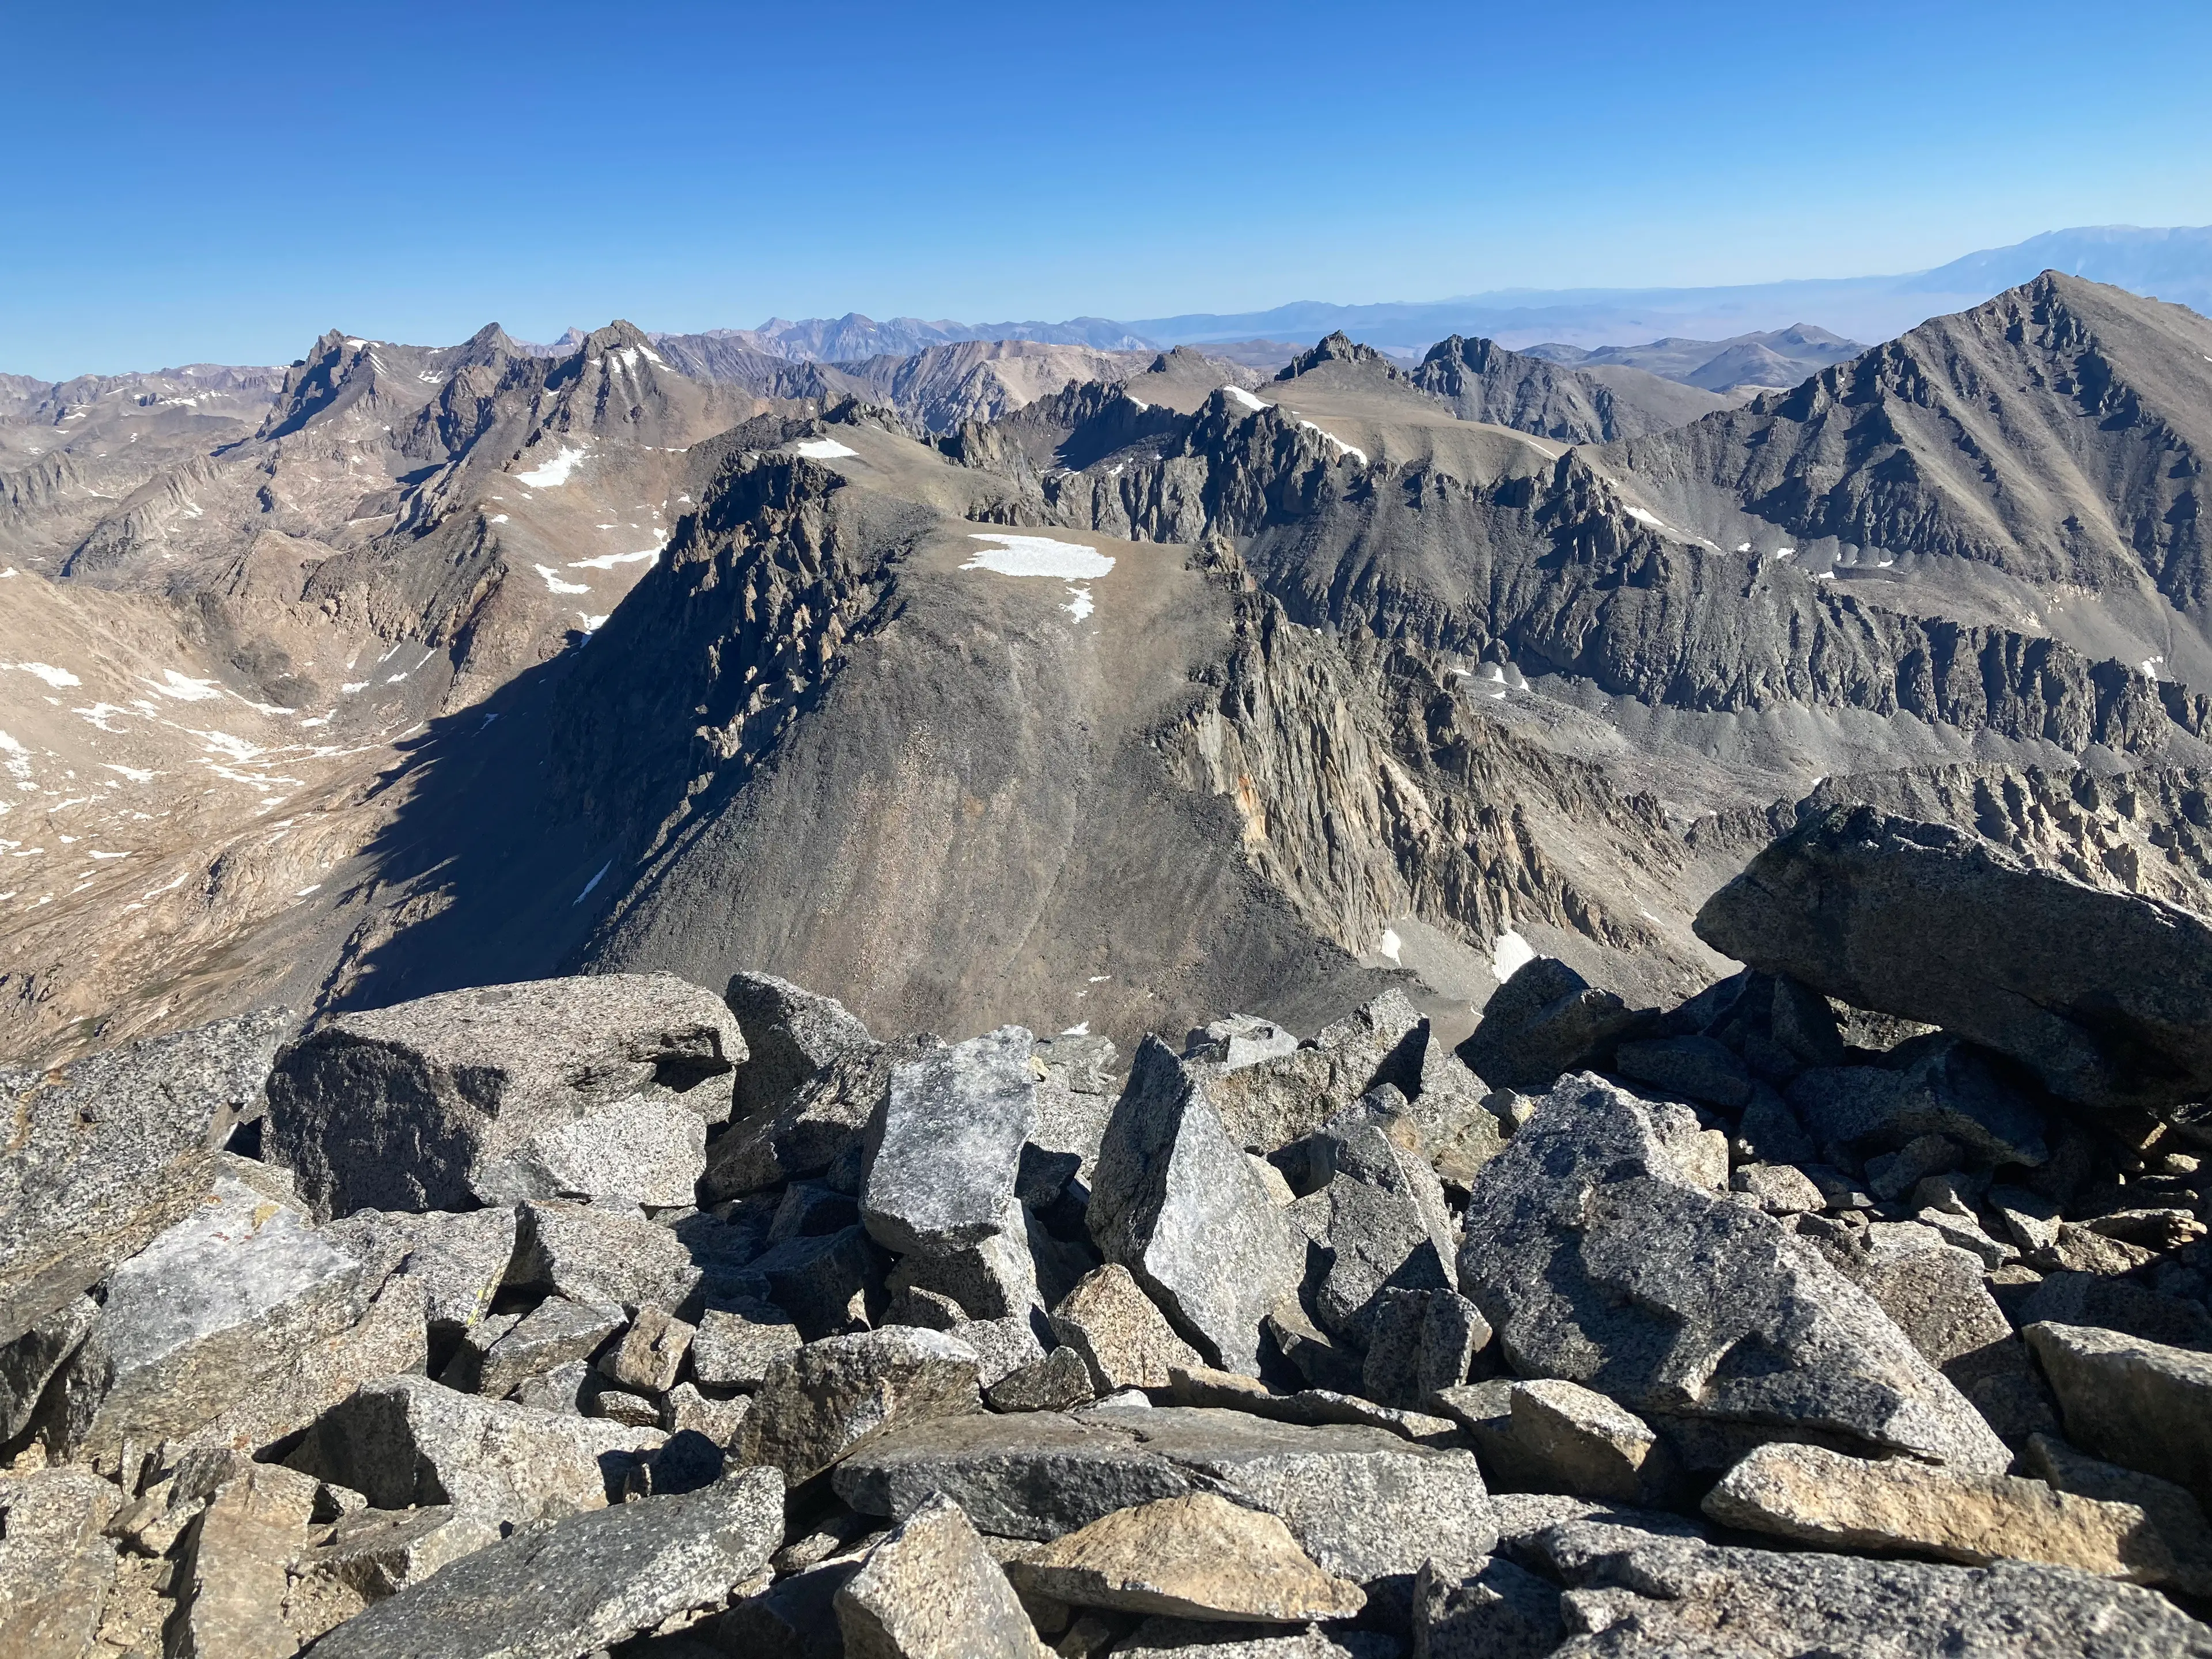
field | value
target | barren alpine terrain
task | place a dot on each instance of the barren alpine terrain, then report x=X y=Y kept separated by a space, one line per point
x=849 y=988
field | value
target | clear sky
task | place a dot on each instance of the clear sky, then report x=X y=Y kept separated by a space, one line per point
x=222 y=181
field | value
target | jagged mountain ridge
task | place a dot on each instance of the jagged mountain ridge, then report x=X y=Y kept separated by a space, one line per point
x=2035 y=458
x=1367 y=689
x=1483 y=381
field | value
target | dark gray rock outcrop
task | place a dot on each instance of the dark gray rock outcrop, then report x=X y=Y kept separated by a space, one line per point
x=1600 y=1260
x=2101 y=995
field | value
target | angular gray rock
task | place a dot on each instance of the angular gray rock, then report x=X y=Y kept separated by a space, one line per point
x=945 y=1147
x=1176 y=1203
x=2143 y=1405
x=603 y=1257
x=1239 y=1041
x=1543 y=1022
x=461 y=1257
x=1120 y=1332
x=436 y=1103
x=2100 y=993
x=55 y=1569
x=648 y=1149
x=736 y=1343
x=1693 y=1068
x=1197 y=1638
x=551 y=1335
x=581 y=1584
x=1586 y=1445
x=1635 y=1594
x=931 y=1590
x=650 y=1353
x=1366 y=1505
x=1033 y=1475
x=107 y=1151
x=820 y=1404
x=1599 y=1261
x=28 y=1363
x=1381 y=1216
x=790 y=1035
x=1061 y=1381
x=1931 y=1085
x=404 y=1441
x=1502 y=1612
x=222 y=1301
x=816 y=1126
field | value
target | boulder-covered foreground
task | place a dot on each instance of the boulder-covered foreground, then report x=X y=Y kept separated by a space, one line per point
x=1860 y=1304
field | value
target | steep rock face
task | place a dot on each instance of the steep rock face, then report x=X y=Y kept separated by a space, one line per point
x=1483 y=381
x=1558 y=571
x=1368 y=790
x=2056 y=434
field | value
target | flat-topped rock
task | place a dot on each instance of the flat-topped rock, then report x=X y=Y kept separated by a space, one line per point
x=436 y=1104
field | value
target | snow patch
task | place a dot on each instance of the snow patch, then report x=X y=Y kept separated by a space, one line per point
x=593 y=883
x=608 y=561
x=496 y=518
x=1039 y=556
x=1509 y=955
x=133 y=773
x=184 y=688
x=60 y=679
x=2150 y=667
x=553 y=584
x=1238 y=394
x=551 y=474
x=1081 y=1027
x=1079 y=606
x=821 y=449
x=1390 y=945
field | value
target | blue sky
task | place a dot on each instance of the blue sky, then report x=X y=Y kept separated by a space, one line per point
x=221 y=182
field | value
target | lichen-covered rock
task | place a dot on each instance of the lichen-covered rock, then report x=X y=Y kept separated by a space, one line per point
x=602 y=1257
x=462 y=1258
x=1176 y=1202
x=109 y=1151
x=435 y=1104
x=1600 y=1261
x=790 y=1035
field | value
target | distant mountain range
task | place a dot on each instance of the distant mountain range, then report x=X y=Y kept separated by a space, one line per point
x=2171 y=264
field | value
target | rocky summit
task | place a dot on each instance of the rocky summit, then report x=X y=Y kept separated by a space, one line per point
x=1861 y=1302
x=857 y=988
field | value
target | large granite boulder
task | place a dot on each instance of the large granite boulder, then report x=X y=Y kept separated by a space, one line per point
x=790 y=1035
x=581 y=1585
x=1176 y=1202
x=945 y=1147
x=1600 y=1258
x=2101 y=995
x=104 y=1153
x=474 y=1096
x=1635 y=1594
x=216 y=1304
